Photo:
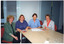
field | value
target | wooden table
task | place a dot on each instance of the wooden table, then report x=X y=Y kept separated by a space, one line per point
x=42 y=36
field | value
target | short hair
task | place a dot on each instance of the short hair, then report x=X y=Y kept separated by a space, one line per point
x=47 y=15
x=21 y=15
x=34 y=14
x=9 y=16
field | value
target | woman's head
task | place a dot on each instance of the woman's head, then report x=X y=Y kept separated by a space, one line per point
x=10 y=18
x=47 y=17
x=21 y=17
x=34 y=16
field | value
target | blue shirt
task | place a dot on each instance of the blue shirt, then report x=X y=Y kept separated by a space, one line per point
x=33 y=24
x=20 y=25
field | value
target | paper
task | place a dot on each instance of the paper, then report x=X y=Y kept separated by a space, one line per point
x=36 y=30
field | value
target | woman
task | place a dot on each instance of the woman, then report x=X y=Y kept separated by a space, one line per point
x=9 y=27
x=21 y=24
x=34 y=23
x=48 y=23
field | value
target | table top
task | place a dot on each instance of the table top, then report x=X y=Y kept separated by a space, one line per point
x=42 y=36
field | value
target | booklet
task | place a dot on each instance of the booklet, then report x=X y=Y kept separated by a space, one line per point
x=36 y=30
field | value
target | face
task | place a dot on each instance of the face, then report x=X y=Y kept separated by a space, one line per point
x=47 y=18
x=11 y=19
x=34 y=17
x=22 y=18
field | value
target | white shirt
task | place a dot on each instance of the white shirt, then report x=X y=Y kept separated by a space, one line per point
x=50 y=26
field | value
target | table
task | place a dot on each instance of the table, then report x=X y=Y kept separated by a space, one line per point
x=42 y=36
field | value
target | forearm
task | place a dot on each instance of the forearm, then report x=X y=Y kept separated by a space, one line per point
x=29 y=27
x=38 y=27
x=12 y=35
x=19 y=30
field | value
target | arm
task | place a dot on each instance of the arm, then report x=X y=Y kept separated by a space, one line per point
x=8 y=32
x=51 y=26
x=39 y=26
x=19 y=30
x=29 y=25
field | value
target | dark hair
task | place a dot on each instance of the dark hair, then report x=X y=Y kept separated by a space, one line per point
x=34 y=14
x=47 y=15
x=21 y=15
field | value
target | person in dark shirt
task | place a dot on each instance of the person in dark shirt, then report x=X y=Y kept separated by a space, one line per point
x=21 y=24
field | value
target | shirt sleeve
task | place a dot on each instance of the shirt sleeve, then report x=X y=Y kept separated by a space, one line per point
x=39 y=23
x=43 y=24
x=26 y=24
x=7 y=29
x=53 y=28
x=29 y=23
x=16 y=25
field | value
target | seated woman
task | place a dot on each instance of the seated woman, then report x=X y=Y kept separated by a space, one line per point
x=9 y=27
x=34 y=23
x=48 y=23
x=21 y=24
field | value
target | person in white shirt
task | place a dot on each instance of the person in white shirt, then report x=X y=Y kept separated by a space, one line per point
x=48 y=23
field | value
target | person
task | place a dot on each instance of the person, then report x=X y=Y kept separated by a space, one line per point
x=34 y=23
x=48 y=23
x=20 y=25
x=9 y=32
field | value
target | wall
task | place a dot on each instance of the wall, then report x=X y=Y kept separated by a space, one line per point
x=27 y=8
x=56 y=12
x=61 y=16
x=45 y=9
x=9 y=8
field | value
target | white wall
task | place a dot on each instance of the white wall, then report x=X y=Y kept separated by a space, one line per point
x=28 y=8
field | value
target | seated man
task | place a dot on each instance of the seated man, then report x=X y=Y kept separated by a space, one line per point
x=34 y=23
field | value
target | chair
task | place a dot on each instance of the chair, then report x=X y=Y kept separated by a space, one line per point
x=55 y=28
x=2 y=32
x=41 y=23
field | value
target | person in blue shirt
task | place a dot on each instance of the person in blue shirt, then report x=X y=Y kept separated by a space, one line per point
x=20 y=25
x=34 y=23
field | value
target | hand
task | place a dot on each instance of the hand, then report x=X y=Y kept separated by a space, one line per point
x=24 y=31
x=16 y=38
x=29 y=28
x=34 y=28
x=19 y=30
x=47 y=28
x=16 y=30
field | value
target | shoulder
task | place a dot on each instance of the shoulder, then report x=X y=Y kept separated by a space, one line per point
x=25 y=21
x=17 y=21
x=52 y=21
x=5 y=24
x=44 y=20
x=37 y=20
x=13 y=23
x=31 y=20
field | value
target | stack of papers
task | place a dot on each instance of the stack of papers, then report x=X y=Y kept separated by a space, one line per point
x=36 y=30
